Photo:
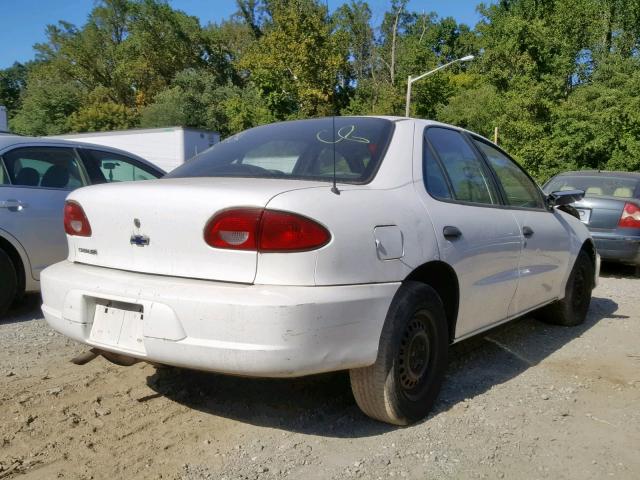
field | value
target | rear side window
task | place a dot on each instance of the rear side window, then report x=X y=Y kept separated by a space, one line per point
x=520 y=191
x=302 y=149
x=596 y=186
x=45 y=167
x=468 y=176
x=434 y=176
x=108 y=167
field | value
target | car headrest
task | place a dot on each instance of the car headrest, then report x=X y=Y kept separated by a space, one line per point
x=623 y=192
x=56 y=176
x=594 y=191
x=28 y=176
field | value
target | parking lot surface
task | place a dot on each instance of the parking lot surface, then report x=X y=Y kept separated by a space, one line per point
x=528 y=400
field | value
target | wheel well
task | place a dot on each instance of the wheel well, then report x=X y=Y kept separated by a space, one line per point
x=442 y=278
x=17 y=263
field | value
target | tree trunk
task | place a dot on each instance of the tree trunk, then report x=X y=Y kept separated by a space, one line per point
x=392 y=68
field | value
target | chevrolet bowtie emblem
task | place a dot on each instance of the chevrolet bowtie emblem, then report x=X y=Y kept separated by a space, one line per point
x=139 y=240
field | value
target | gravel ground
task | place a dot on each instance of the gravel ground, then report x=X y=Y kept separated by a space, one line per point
x=528 y=400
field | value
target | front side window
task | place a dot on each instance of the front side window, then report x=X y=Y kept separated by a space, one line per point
x=302 y=149
x=108 y=167
x=468 y=176
x=44 y=167
x=518 y=187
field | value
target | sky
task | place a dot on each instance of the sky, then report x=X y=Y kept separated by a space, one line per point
x=23 y=22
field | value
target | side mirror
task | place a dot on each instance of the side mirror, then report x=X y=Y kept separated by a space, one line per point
x=564 y=197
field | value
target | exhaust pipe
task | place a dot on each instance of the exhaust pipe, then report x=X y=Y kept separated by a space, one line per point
x=85 y=357
x=116 y=358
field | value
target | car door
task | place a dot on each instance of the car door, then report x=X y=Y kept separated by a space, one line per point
x=546 y=237
x=38 y=179
x=475 y=235
x=103 y=166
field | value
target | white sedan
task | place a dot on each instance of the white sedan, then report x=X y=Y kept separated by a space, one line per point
x=362 y=243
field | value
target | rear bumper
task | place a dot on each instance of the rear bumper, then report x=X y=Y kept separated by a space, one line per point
x=255 y=330
x=619 y=248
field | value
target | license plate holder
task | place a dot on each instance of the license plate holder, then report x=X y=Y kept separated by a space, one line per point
x=118 y=324
x=585 y=214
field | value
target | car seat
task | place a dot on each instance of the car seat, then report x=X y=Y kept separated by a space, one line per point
x=623 y=192
x=27 y=176
x=56 y=176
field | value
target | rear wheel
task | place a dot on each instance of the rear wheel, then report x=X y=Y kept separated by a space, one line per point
x=572 y=309
x=403 y=384
x=9 y=282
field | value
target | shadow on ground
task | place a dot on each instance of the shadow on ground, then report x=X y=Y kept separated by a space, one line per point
x=28 y=308
x=323 y=404
x=617 y=270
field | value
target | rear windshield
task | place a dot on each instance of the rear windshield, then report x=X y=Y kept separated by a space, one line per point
x=594 y=186
x=301 y=149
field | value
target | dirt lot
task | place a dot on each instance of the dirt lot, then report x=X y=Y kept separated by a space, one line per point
x=527 y=401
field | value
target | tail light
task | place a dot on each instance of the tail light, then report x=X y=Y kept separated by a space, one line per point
x=235 y=229
x=630 y=216
x=75 y=221
x=264 y=231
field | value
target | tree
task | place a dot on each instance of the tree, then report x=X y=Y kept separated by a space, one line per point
x=48 y=101
x=13 y=81
x=297 y=63
x=196 y=99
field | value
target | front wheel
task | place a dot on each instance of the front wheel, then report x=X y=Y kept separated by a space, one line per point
x=8 y=281
x=572 y=309
x=403 y=384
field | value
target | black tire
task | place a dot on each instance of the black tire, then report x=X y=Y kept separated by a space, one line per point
x=572 y=309
x=402 y=385
x=9 y=282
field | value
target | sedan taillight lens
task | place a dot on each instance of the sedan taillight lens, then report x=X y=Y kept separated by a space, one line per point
x=75 y=221
x=630 y=216
x=264 y=231
x=235 y=229
x=288 y=232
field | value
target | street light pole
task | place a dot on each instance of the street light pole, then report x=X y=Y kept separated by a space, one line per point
x=411 y=79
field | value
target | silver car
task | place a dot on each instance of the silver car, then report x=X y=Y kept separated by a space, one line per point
x=36 y=175
x=610 y=209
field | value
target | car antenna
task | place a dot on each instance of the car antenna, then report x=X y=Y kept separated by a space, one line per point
x=334 y=188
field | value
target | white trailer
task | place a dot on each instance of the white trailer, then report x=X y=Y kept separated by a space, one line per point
x=165 y=147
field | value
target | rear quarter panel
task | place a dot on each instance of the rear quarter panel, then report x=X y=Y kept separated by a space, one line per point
x=351 y=256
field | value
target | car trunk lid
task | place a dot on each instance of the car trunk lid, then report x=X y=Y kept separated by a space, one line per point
x=157 y=226
x=601 y=213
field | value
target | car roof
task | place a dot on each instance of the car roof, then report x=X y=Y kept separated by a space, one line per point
x=8 y=140
x=599 y=173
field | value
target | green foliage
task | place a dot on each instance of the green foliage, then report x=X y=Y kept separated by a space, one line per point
x=12 y=82
x=100 y=113
x=196 y=99
x=47 y=102
x=297 y=63
x=559 y=78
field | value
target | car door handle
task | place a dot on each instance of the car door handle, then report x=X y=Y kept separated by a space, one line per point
x=451 y=232
x=527 y=231
x=12 y=205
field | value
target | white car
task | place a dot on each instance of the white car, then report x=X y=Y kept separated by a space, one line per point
x=361 y=243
